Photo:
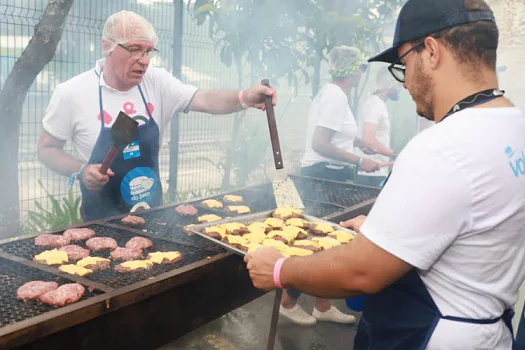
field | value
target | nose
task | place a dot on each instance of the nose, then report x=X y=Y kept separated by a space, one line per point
x=144 y=60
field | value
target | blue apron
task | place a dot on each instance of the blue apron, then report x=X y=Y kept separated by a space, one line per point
x=136 y=169
x=404 y=316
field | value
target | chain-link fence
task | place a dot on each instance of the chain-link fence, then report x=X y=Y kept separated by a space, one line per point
x=205 y=141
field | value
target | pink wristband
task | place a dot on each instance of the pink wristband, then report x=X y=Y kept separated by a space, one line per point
x=277 y=273
x=241 y=100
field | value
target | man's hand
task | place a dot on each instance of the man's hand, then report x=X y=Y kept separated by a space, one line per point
x=355 y=223
x=93 y=179
x=261 y=264
x=255 y=96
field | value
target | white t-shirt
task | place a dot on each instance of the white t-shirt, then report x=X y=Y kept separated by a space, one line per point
x=454 y=208
x=74 y=110
x=374 y=111
x=330 y=109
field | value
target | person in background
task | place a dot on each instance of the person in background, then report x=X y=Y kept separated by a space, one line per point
x=332 y=128
x=84 y=108
x=330 y=139
x=375 y=128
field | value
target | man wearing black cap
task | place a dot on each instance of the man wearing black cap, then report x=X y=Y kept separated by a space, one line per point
x=441 y=254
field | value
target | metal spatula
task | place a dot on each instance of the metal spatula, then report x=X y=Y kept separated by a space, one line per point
x=284 y=189
x=122 y=133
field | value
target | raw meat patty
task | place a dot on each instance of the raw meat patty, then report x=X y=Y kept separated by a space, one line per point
x=101 y=243
x=79 y=234
x=52 y=241
x=186 y=209
x=75 y=252
x=65 y=294
x=133 y=220
x=126 y=254
x=139 y=243
x=34 y=289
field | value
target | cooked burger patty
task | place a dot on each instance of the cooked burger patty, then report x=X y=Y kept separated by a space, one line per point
x=186 y=209
x=132 y=220
x=126 y=254
x=51 y=241
x=64 y=295
x=75 y=252
x=79 y=234
x=101 y=243
x=34 y=289
x=139 y=243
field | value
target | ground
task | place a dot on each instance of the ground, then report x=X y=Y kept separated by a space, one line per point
x=247 y=329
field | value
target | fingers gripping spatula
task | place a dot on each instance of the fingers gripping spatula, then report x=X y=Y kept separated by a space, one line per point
x=285 y=194
x=122 y=133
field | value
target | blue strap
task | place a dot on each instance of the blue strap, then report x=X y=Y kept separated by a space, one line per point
x=74 y=176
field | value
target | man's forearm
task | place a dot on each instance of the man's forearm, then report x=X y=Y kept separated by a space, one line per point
x=59 y=161
x=328 y=274
x=216 y=101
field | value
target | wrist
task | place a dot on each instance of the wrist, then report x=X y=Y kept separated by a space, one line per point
x=241 y=100
x=277 y=273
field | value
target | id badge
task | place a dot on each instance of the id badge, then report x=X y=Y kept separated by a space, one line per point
x=132 y=150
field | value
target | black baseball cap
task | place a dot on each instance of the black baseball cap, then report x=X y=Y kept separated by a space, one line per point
x=420 y=18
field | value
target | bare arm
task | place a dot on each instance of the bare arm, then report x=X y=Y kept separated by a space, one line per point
x=51 y=152
x=321 y=143
x=370 y=141
x=225 y=101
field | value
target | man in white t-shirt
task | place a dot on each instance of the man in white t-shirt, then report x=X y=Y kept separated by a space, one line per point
x=84 y=108
x=440 y=256
x=374 y=126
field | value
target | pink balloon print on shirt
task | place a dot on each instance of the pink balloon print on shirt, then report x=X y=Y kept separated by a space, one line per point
x=129 y=108
x=107 y=118
x=151 y=108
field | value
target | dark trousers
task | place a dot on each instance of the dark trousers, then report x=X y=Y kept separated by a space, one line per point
x=321 y=171
x=373 y=181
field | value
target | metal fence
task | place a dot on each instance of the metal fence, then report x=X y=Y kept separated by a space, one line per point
x=204 y=140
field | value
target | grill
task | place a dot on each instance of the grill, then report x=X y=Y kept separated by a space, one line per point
x=26 y=249
x=342 y=194
x=14 y=275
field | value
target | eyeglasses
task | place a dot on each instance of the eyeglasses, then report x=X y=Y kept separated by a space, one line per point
x=137 y=54
x=397 y=69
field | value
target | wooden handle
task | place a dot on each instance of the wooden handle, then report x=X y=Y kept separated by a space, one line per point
x=112 y=153
x=272 y=125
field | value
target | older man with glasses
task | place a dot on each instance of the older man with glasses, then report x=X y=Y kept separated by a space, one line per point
x=441 y=254
x=84 y=108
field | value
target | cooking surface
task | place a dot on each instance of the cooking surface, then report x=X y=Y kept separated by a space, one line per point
x=26 y=249
x=14 y=275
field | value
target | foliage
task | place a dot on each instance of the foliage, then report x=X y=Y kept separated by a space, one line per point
x=61 y=214
x=281 y=38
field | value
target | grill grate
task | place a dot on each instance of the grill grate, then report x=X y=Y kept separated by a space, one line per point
x=14 y=275
x=27 y=249
x=346 y=195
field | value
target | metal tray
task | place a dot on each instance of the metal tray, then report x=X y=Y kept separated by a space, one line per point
x=248 y=219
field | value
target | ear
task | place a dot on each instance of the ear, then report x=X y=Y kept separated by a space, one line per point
x=434 y=52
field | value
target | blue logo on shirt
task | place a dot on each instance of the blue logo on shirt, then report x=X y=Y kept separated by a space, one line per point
x=139 y=185
x=517 y=164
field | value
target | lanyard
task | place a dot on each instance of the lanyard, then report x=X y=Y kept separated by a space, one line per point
x=468 y=102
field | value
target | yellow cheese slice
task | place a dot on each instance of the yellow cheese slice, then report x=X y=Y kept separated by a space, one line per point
x=321 y=226
x=158 y=257
x=52 y=257
x=75 y=270
x=212 y=203
x=274 y=223
x=209 y=218
x=293 y=251
x=272 y=243
x=90 y=260
x=286 y=211
x=305 y=243
x=297 y=222
x=258 y=227
x=232 y=198
x=137 y=264
x=233 y=226
x=289 y=236
x=216 y=229
x=240 y=209
x=294 y=231
x=342 y=236
x=326 y=242
x=256 y=237
x=236 y=239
